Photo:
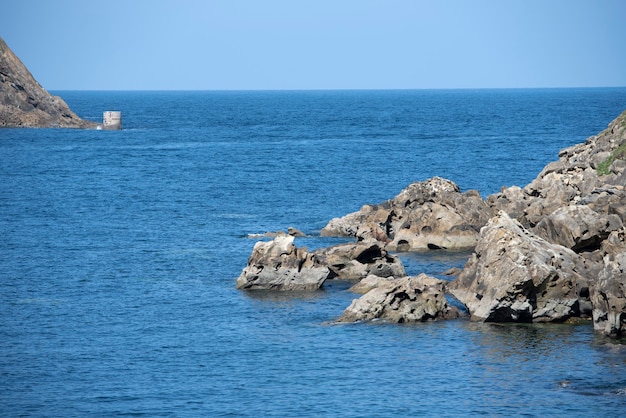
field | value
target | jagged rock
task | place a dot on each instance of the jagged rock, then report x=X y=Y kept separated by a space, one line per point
x=577 y=227
x=408 y=299
x=577 y=177
x=433 y=214
x=355 y=261
x=576 y=203
x=516 y=276
x=24 y=103
x=615 y=243
x=555 y=190
x=608 y=296
x=609 y=200
x=512 y=200
x=279 y=265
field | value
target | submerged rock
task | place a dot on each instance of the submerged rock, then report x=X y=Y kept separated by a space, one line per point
x=516 y=276
x=407 y=299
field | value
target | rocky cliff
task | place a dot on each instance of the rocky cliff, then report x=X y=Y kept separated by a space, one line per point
x=24 y=103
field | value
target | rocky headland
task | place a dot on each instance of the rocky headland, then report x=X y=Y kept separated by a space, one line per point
x=552 y=251
x=24 y=103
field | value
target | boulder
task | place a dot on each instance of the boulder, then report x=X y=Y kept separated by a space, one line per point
x=608 y=200
x=24 y=103
x=355 y=261
x=433 y=214
x=577 y=227
x=516 y=276
x=608 y=296
x=615 y=243
x=280 y=265
x=408 y=299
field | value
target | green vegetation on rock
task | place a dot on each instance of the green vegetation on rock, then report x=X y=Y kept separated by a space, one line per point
x=618 y=154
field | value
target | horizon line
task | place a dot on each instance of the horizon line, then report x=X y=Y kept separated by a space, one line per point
x=340 y=89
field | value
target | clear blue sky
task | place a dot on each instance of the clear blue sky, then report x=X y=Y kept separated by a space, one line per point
x=317 y=44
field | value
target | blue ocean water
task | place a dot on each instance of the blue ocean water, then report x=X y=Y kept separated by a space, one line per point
x=120 y=249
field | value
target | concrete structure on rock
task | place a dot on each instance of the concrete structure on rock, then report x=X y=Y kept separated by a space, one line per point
x=112 y=120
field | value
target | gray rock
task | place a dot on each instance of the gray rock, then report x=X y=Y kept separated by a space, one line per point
x=574 y=178
x=433 y=214
x=608 y=199
x=516 y=276
x=355 y=261
x=279 y=265
x=408 y=299
x=615 y=243
x=369 y=283
x=608 y=296
x=577 y=227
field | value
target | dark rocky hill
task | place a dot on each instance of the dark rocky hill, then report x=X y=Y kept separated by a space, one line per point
x=24 y=103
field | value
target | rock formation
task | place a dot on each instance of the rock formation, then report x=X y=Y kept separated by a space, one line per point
x=608 y=292
x=608 y=296
x=516 y=276
x=591 y=173
x=355 y=261
x=280 y=265
x=24 y=103
x=408 y=299
x=577 y=227
x=433 y=214
x=548 y=252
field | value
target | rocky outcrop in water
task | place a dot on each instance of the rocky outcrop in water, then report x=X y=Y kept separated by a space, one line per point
x=432 y=214
x=280 y=265
x=24 y=103
x=548 y=252
x=403 y=300
x=355 y=261
x=516 y=276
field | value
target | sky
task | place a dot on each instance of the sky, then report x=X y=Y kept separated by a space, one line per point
x=318 y=44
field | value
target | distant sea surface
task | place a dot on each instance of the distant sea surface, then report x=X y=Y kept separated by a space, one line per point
x=119 y=252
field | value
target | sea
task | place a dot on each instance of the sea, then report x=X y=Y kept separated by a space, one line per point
x=119 y=252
